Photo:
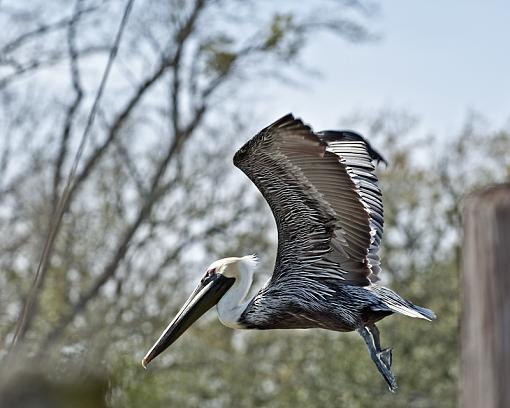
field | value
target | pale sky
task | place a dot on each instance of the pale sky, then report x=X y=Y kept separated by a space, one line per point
x=436 y=59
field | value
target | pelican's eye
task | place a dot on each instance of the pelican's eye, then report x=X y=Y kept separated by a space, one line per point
x=208 y=275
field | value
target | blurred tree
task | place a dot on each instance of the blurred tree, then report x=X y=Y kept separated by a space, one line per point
x=156 y=199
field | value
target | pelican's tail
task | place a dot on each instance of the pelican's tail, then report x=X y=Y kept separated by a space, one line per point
x=391 y=301
x=424 y=312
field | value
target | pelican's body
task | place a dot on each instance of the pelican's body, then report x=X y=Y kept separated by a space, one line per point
x=345 y=309
x=323 y=192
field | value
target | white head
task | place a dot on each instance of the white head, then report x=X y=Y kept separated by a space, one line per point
x=234 y=266
x=225 y=283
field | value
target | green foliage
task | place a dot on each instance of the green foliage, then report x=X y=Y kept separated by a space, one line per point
x=279 y=26
x=219 y=57
x=285 y=36
x=35 y=389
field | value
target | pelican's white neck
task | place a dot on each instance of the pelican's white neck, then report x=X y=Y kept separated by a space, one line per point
x=234 y=302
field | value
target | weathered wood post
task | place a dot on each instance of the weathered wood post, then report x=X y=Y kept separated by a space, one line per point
x=485 y=322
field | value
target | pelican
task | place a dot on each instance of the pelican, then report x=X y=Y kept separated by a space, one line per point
x=325 y=198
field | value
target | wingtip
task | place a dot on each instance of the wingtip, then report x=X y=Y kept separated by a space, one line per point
x=382 y=159
x=336 y=135
x=284 y=119
x=375 y=155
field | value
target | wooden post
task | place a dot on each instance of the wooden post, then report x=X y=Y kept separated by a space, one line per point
x=485 y=324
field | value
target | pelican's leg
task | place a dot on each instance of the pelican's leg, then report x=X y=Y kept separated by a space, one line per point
x=384 y=354
x=381 y=366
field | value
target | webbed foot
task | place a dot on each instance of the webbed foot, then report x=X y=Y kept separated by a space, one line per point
x=382 y=359
x=386 y=357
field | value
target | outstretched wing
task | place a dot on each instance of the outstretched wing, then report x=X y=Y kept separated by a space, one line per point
x=324 y=196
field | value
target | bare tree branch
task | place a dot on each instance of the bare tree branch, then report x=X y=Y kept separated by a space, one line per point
x=64 y=139
x=55 y=223
x=45 y=61
x=154 y=193
x=72 y=109
x=37 y=33
x=164 y=64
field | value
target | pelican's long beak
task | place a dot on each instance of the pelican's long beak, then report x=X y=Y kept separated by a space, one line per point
x=205 y=296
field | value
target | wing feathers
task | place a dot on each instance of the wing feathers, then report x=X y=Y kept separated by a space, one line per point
x=324 y=196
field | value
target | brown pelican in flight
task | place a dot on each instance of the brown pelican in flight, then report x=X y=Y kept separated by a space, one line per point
x=326 y=201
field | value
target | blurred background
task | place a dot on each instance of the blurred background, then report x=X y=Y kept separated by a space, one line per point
x=155 y=197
